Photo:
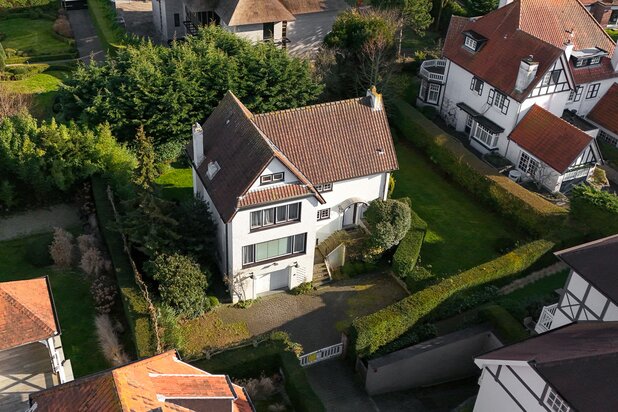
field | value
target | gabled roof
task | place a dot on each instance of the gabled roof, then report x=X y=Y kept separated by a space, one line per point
x=605 y=112
x=523 y=28
x=579 y=361
x=27 y=312
x=318 y=144
x=239 y=12
x=313 y=6
x=550 y=139
x=162 y=381
x=596 y=262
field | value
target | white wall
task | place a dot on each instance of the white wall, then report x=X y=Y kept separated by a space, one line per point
x=253 y=32
x=275 y=166
x=583 y=106
x=165 y=25
x=493 y=397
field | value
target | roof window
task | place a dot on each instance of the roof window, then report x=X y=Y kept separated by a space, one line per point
x=473 y=41
x=213 y=168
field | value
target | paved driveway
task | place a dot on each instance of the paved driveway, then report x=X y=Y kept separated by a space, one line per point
x=316 y=320
x=86 y=38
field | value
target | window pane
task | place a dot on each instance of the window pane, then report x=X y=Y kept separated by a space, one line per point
x=293 y=211
x=261 y=251
x=269 y=216
x=256 y=219
x=247 y=255
x=299 y=243
x=282 y=214
x=279 y=247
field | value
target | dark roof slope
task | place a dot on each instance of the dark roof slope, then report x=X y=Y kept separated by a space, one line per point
x=549 y=138
x=596 y=262
x=333 y=141
x=579 y=360
x=605 y=112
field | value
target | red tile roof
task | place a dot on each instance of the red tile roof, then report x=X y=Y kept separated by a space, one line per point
x=26 y=312
x=605 y=112
x=549 y=138
x=162 y=381
x=589 y=74
x=274 y=194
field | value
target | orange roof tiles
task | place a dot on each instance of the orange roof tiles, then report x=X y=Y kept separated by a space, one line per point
x=26 y=312
x=605 y=112
x=274 y=194
x=550 y=139
x=589 y=74
x=162 y=381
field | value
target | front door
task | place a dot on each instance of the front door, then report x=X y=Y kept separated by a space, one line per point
x=349 y=216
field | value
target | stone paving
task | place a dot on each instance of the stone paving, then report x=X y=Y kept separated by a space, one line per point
x=38 y=221
x=533 y=277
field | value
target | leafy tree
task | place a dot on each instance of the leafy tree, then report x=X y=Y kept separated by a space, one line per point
x=417 y=13
x=198 y=230
x=481 y=7
x=146 y=171
x=388 y=221
x=168 y=89
x=182 y=284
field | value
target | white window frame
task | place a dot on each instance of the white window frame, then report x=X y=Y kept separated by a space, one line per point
x=272 y=178
x=435 y=90
x=555 y=402
x=324 y=187
x=470 y=43
x=593 y=90
x=297 y=245
x=323 y=214
x=528 y=164
x=274 y=216
x=477 y=86
x=484 y=135
x=595 y=60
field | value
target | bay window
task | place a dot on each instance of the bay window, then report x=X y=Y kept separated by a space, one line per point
x=484 y=135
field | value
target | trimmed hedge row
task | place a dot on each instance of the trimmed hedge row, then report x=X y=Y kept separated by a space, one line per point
x=508 y=328
x=135 y=306
x=268 y=357
x=376 y=330
x=110 y=33
x=409 y=249
x=529 y=210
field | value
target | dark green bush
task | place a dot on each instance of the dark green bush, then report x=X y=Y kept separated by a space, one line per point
x=213 y=302
x=25 y=71
x=509 y=329
x=596 y=209
x=2 y=58
x=352 y=269
x=374 y=331
x=409 y=249
x=388 y=222
x=302 y=289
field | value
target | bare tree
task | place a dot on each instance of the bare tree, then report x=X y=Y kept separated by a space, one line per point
x=12 y=104
x=236 y=284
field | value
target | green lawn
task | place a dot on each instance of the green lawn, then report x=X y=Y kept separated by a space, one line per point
x=32 y=36
x=43 y=86
x=610 y=153
x=27 y=258
x=176 y=183
x=462 y=232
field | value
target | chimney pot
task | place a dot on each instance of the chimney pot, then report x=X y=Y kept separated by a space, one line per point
x=375 y=99
x=198 y=144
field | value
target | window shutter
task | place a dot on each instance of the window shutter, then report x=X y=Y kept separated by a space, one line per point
x=472 y=84
x=505 y=106
x=481 y=87
x=490 y=98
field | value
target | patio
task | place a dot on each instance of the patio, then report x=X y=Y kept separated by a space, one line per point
x=24 y=370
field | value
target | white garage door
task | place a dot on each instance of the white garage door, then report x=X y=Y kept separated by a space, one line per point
x=272 y=281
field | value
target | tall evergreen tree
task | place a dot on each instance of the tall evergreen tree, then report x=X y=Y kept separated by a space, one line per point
x=146 y=171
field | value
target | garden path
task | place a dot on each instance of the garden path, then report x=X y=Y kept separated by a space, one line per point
x=86 y=38
x=38 y=221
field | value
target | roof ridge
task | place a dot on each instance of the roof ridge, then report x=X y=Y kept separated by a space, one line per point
x=311 y=106
x=24 y=310
x=584 y=356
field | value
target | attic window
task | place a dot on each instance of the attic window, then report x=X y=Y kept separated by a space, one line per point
x=473 y=41
x=213 y=168
x=272 y=178
x=588 y=57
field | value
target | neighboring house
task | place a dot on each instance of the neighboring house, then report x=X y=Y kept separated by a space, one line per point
x=298 y=25
x=604 y=11
x=31 y=355
x=279 y=183
x=605 y=116
x=527 y=53
x=159 y=383
x=569 y=369
x=591 y=291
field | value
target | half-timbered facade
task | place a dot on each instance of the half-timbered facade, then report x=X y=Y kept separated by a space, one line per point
x=605 y=116
x=497 y=67
x=591 y=291
x=572 y=368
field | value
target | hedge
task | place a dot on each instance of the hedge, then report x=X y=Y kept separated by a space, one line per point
x=375 y=330
x=508 y=328
x=596 y=209
x=528 y=209
x=135 y=306
x=268 y=357
x=103 y=14
x=409 y=249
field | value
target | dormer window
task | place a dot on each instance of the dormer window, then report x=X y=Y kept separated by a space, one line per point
x=588 y=57
x=473 y=41
x=213 y=168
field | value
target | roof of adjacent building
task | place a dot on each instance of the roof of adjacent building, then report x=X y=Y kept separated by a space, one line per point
x=319 y=144
x=27 y=312
x=605 y=112
x=596 y=262
x=526 y=28
x=162 y=381
x=579 y=361
x=242 y=12
x=550 y=139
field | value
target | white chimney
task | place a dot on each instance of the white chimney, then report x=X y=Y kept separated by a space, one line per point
x=376 y=98
x=568 y=50
x=527 y=70
x=615 y=59
x=198 y=144
x=503 y=3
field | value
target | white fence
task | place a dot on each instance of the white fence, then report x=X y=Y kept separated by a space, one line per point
x=323 y=354
x=546 y=318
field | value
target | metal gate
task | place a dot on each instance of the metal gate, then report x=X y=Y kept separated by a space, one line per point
x=320 y=355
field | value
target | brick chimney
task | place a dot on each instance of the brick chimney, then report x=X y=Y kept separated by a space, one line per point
x=198 y=144
x=375 y=99
x=527 y=70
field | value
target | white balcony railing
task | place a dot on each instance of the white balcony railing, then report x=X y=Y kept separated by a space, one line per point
x=434 y=70
x=546 y=318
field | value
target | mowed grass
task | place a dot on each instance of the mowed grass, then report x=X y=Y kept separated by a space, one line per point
x=32 y=36
x=176 y=183
x=462 y=232
x=28 y=258
x=43 y=87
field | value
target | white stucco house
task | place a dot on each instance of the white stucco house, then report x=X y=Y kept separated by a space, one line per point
x=298 y=25
x=31 y=352
x=551 y=56
x=571 y=368
x=591 y=291
x=279 y=183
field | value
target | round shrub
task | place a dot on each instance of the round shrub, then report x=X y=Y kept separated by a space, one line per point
x=388 y=221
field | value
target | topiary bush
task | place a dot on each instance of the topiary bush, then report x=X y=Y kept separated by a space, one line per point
x=2 y=58
x=409 y=249
x=388 y=222
x=376 y=330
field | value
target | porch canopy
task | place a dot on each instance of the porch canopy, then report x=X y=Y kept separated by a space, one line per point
x=343 y=206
